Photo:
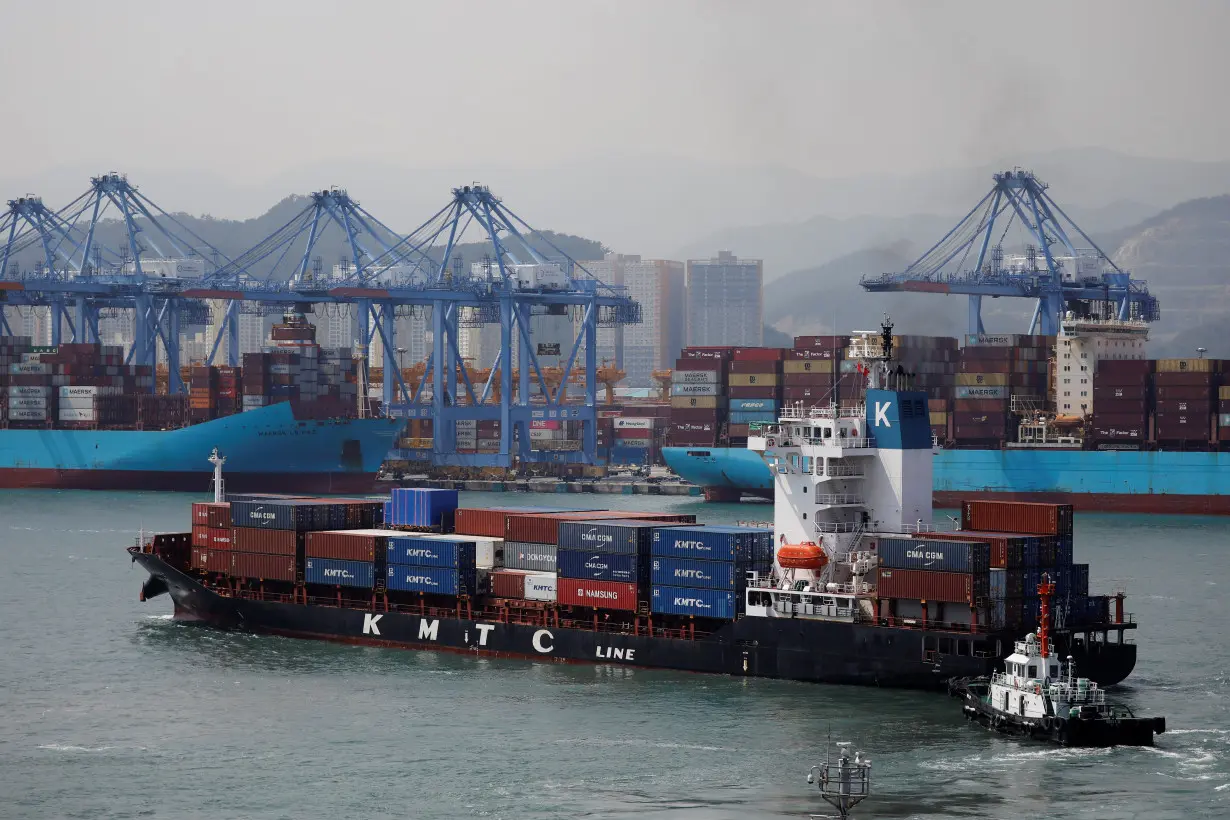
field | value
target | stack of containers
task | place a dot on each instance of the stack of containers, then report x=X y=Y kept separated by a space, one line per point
x=421 y=508
x=202 y=393
x=230 y=393
x=1120 y=403
x=928 y=364
x=639 y=431
x=990 y=370
x=1223 y=416
x=268 y=536
x=1185 y=393
x=211 y=537
x=698 y=390
x=938 y=416
x=440 y=565
x=755 y=391
x=31 y=396
x=934 y=579
x=811 y=370
x=702 y=571
x=604 y=563
x=345 y=558
x=257 y=380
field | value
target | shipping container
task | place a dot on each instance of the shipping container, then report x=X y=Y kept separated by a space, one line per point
x=293 y=514
x=544 y=529
x=488 y=552
x=221 y=539
x=698 y=402
x=530 y=556
x=754 y=379
x=701 y=574
x=422 y=507
x=490 y=521
x=753 y=405
x=436 y=580
x=599 y=566
x=207 y=560
x=541 y=586
x=339 y=573
x=507 y=583
x=347 y=545
x=600 y=594
x=925 y=585
x=454 y=552
x=263 y=566
x=695 y=377
x=200 y=535
x=934 y=554
x=743 y=544
x=1017 y=517
x=701 y=603
x=270 y=542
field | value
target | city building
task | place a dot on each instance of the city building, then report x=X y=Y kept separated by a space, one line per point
x=725 y=301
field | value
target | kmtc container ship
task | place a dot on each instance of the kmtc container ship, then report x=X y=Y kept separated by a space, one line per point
x=1081 y=418
x=76 y=417
x=850 y=585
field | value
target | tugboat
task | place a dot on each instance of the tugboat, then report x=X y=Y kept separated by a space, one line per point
x=1039 y=697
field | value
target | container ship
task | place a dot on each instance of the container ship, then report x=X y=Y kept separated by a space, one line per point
x=75 y=416
x=849 y=585
x=1082 y=417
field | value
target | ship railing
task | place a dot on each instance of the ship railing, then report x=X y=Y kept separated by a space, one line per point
x=936 y=626
x=838 y=526
x=839 y=443
x=838 y=498
x=843 y=471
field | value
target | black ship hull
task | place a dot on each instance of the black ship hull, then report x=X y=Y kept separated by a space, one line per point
x=791 y=649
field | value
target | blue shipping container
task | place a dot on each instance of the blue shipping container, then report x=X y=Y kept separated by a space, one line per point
x=943 y=556
x=300 y=515
x=747 y=544
x=339 y=573
x=425 y=552
x=421 y=507
x=615 y=535
x=999 y=583
x=705 y=603
x=752 y=417
x=438 y=580
x=696 y=574
x=1063 y=551
x=599 y=566
x=753 y=405
x=629 y=455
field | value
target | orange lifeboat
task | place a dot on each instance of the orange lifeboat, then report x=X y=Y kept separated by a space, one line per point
x=807 y=555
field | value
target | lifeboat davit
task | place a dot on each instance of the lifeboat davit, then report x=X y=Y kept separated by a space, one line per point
x=807 y=555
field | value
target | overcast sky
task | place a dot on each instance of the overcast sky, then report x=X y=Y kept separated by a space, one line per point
x=248 y=90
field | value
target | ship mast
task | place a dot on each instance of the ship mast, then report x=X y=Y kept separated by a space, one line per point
x=1044 y=615
x=218 y=461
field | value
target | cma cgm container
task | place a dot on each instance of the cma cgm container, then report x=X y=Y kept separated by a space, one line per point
x=603 y=594
x=919 y=584
x=424 y=552
x=599 y=566
x=934 y=554
x=544 y=529
x=420 y=507
x=1005 y=551
x=700 y=574
x=1017 y=517
x=714 y=543
x=705 y=603
x=622 y=536
x=339 y=573
x=280 y=515
x=529 y=556
x=437 y=580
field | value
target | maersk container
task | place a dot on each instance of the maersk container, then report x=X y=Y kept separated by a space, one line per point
x=933 y=554
x=421 y=507
x=599 y=566
x=540 y=586
x=743 y=544
x=424 y=552
x=698 y=574
x=537 y=557
x=436 y=580
x=634 y=537
x=339 y=573
x=703 y=603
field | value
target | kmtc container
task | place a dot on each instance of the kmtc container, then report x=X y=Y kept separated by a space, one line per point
x=677 y=572
x=620 y=536
x=537 y=557
x=423 y=552
x=347 y=545
x=705 y=603
x=488 y=552
x=714 y=543
x=601 y=594
x=599 y=566
x=540 y=586
x=421 y=507
x=932 y=554
x=924 y=585
x=339 y=573
x=1017 y=517
x=437 y=580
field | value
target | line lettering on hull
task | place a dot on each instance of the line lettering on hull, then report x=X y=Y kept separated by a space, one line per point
x=429 y=629
x=616 y=653
x=369 y=624
x=540 y=638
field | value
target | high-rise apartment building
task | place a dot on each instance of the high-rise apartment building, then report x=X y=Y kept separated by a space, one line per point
x=725 y=302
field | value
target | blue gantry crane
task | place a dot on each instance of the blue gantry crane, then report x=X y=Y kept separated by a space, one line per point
x=166 y=269
x=1049 y=267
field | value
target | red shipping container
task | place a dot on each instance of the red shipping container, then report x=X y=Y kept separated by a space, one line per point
x=264 y=567
x=600 y=594
x=925 y=585
x=758 y=354
x=270 y=542
x=488 y=522
x=1187 y=379
x=739 y=430
x=1170 y=393
x=200 y=535
x=1118 y=419
x=1017 y=517
x=818 y=393
x=807 y=379
x=344 y=546
x=507 y=583
x=980 y=407
x=706 y=363
x=996 y=417
x=679 y=415
x=820 y=342
x=706 y=353
x=200 y=515
x=209 y=560
x=755 y=366
x=1135 y=381
x=751 y=392
x=544 y=528
x=220 y=539
x=219 y=515
x=986 y=353
x=814 y=353
x=1123 y=367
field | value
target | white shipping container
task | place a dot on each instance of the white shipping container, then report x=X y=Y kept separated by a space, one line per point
x=540 y=586
x=695 y=377
x=696 y=390
x=19 y=414
x=31 y=358
x=488 y=443
x=77 y=403
x=633 y=424
x=29 y=369
x=543 y=435
x=78 y=391
x=27 y=390
x=466 y=424
x=28 y=401
x=77 y=414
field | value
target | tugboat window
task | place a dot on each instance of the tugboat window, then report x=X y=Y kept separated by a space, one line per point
x=1033 y=671
x=1054 y=671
